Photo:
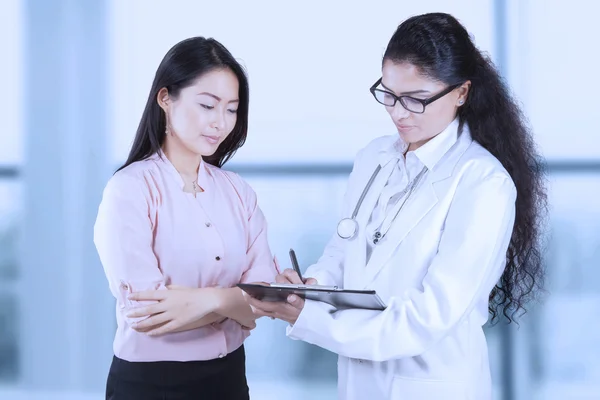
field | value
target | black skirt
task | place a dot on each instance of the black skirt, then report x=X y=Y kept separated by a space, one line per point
x=218 y=379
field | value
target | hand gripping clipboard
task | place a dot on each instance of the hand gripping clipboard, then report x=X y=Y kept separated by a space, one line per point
x=338 y=298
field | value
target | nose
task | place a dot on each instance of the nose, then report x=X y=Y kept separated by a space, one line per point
x=219 y=122
x=398 y=112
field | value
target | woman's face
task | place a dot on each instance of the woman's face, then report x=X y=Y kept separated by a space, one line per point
x=204 y=113
x=404 y=79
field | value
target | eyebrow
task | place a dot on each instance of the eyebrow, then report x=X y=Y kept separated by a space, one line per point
x=408 y=93
x=216 y=97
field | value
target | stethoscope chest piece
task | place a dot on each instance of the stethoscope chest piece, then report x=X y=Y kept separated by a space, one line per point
x=347 y=228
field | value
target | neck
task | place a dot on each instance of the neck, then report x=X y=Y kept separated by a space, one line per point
x=184 y=161
x=414 y=146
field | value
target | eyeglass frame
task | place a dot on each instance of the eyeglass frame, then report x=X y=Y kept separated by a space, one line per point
x=424 y=102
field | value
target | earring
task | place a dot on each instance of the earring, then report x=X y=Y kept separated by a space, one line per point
x=167 y=130
x=461 y=101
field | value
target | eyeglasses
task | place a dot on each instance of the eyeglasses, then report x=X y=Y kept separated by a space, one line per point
x=411 y=104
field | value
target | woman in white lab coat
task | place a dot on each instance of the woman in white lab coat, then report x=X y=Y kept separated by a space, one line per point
x=447 y=233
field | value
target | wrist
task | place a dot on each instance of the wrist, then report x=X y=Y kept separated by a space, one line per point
x=222 y=299
x=209 y=297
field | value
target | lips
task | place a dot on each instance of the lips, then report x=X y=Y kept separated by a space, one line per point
x=405 y=128
x=212 y=139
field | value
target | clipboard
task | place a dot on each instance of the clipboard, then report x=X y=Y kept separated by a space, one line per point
x=338 y=298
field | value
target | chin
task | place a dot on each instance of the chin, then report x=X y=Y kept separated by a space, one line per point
x=204 y=150
x=409 y=137
x=208 y=152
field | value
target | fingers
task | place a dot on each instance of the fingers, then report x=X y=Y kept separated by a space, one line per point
x=311 y=281
x=262 y=308
x=292 y=276
x=147 y=310
x=295 y=301
x=282 y=278
x=151 y=322
x=248 y=326
x=268 y=306
x=169 y=327
x=176 y=287
x=148 y=295
x=146 y=330
x=277 y=309
x=261 y=313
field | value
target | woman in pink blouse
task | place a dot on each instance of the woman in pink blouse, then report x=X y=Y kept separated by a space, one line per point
x=176 y=233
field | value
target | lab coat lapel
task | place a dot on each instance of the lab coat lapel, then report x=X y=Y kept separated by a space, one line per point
x=356 y=256
x=370 y=200
x=417 y=206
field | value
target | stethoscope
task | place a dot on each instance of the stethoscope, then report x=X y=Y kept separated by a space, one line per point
x=348 y=227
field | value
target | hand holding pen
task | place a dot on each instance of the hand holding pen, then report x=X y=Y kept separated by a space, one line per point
x=294 y=276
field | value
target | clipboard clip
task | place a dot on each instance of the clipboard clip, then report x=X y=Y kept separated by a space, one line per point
x=320 y=287
x=293 y=285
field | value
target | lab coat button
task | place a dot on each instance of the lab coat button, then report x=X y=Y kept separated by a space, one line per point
x=221 y=355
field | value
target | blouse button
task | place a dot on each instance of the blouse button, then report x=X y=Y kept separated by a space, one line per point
x=217 y=258
x=124 y=286
x=221 y=355
x=208 y=224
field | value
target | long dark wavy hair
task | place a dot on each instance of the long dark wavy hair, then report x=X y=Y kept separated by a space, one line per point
x=183 y=64
x=442 y=49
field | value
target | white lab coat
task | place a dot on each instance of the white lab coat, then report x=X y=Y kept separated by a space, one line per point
x=435 y=270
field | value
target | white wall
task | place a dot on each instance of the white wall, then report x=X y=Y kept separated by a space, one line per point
x=11 y=138
x=310 y=65
x=554 y=71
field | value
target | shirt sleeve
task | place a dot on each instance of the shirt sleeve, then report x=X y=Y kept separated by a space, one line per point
x=470 y=260
x=261 y=266
x=123 y=235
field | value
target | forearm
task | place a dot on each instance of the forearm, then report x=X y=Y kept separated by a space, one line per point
x=206 y=320
x=223 y=304
x=233 y=305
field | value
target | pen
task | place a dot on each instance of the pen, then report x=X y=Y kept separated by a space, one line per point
x=295 y=264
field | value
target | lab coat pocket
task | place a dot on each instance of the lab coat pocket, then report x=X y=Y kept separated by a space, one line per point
x=406 y=388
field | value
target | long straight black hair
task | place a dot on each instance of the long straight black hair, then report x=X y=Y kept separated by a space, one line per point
x=183 y=64
x=442 y=49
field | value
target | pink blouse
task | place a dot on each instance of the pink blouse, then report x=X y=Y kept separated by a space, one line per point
x=149 y=233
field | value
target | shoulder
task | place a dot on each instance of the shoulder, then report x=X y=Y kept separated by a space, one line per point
x=138 y=178
x=480 y=162
x=377 y=145
x=242 y=189
x=478 y=168
x=370 y=153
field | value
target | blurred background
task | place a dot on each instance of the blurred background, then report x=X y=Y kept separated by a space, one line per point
x=77 y=73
